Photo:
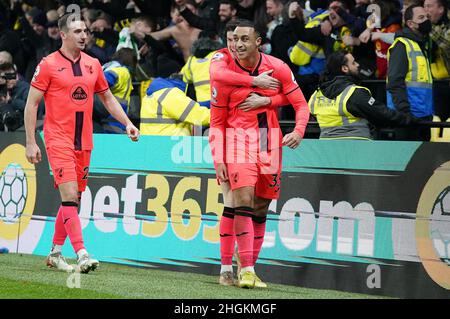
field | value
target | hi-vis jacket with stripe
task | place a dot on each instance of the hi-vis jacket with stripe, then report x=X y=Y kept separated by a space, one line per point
x=344 y=110
x=196 y=72
x=308 y=56
x=166 y=110
x=119 y=81
x=409 y=70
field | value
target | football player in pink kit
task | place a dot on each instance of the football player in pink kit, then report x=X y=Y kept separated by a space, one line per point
x=251 y=159
x=68 y=79
x=219 y=72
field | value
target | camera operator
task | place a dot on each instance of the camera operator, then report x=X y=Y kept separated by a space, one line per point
x=13 y=96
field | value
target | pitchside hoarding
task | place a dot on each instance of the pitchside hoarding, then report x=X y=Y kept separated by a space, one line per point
x=369 y=217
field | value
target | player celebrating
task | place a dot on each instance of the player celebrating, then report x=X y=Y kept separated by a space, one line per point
x=251 y=160
x=68 y=79
x=219 y=72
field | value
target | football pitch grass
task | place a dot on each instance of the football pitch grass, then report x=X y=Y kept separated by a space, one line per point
x=27 y=277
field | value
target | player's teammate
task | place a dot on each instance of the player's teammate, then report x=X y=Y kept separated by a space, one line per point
x=220 y=73
x=251 y=161
x=68 y=79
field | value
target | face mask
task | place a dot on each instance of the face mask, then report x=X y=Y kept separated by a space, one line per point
x=425 y=27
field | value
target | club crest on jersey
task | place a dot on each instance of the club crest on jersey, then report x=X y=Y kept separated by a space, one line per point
x=89 y=68
x=214 y=92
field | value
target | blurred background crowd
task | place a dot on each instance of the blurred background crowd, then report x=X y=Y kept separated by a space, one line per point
x=147 y=46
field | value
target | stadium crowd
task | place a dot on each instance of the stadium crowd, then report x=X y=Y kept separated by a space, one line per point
x=156 y=56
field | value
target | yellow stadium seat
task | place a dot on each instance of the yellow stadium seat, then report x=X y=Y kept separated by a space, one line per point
x=446 y=132
x=440 y=134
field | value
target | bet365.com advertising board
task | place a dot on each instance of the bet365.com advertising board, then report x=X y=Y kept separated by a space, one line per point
x=368 y=217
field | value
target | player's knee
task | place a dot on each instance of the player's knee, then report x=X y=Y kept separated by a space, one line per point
x=244 y=200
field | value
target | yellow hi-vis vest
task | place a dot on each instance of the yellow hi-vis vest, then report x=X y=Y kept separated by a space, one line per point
x=170 y=112
x=438 y=68
x=196 y=72
x=419 y=80
x=123 y=87
x=335 y=120
x=302 y=52
x=122 y=92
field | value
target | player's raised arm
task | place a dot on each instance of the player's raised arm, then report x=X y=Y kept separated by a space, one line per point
x=220 y=72
x=115 y=109
x=33 y=153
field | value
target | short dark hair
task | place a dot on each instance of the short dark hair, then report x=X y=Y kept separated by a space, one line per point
x=232 y=3
x=63 y=21
x=409 y=12
x=231 y=25
x=148 y=20
x=248 y=24
x=125 y=56
x=335 y=61
x=6 y=67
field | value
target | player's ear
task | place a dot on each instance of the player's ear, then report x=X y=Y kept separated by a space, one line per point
x=258 y=41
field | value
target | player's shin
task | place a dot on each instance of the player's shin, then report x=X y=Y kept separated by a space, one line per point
x=259 y=227
x=60 y=234
x=243 y=228
x=227 y=239
x=72 y=224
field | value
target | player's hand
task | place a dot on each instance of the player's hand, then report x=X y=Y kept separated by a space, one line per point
x=292 y=140
x=254 y=101
x=222 y=172
x=33 y=153
x=265 y=81
x=132 y=132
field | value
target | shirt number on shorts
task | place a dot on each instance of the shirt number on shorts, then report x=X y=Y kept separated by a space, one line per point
x=276 y=181
x=86 y=173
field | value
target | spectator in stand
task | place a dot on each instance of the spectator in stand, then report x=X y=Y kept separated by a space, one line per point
x=13 y=97
x=318 y=37
x=118 y=74
x=227 y=11
x=102 y=39
x=41 y=36
x=409 y=81
x=180 y=31
x=166 y=110
x=437 y=11
x=196 y=69
x=283 y=38
x=343 y=108
x=274 y=8
x=390 y=22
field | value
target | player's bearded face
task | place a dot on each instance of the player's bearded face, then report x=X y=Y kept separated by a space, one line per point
x=246 y=42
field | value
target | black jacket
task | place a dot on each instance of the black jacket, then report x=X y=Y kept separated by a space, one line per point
x=398 y=68
x=361 y=104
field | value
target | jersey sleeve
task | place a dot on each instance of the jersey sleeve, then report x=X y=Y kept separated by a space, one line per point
x=219 y=71
x=101 y=85
x=278 y=100
x=42 y=76
x=219 y=112
x=295 y=96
